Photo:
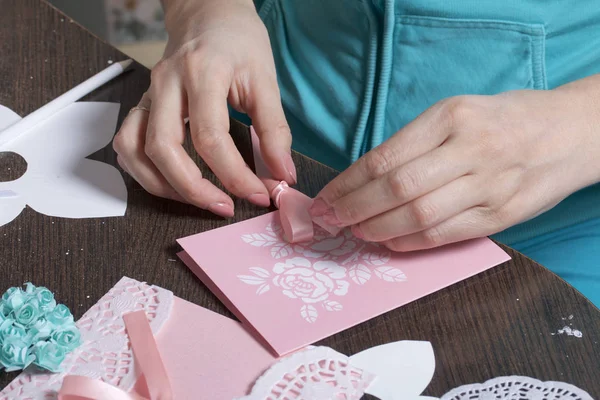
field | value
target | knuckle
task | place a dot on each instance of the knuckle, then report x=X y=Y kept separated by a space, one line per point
x=457 y=111
x=380 y=160
x=423 y=214
x=433 y=237
x=402 y=184
x=120 y=143
x=208 y=139
x=154 y=147
x=158 y=71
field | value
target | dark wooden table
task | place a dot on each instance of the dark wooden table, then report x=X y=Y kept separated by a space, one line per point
x=498 y=323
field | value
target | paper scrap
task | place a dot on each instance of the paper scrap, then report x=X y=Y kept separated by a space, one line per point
x=59 y=180
x=403 y=369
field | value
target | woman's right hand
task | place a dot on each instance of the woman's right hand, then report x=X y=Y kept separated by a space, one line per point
x=218 y=51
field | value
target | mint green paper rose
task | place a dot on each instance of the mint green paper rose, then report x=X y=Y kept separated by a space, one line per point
x=60 y=315
x=49 y=355
x=5 y=310
x=45 y=298
x=12 y=300
x=14 y=354
x=29 y=288
x=40 y=330
x=67 y=337
x=28 y=313
x=10 y=329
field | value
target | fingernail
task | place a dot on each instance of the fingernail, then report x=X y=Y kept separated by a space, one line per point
x=357 y=232
x=330 y=218
x=291 y=168
x=222 y=209
x=260 y=199
x=318 y=208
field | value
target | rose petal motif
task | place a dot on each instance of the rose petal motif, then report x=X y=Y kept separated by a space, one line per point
x=49 y=355
x=13 y=299
x=67 y=337
x=279 y=268
x=60 y=315
x=9 y=329
x=45 y=298
x=14 y=354
x=332 y=269
x=28 y=313
x=342 y=288
x=41 y=329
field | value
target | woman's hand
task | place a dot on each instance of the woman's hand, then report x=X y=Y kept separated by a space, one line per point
x=469 y=167
x=218 y=51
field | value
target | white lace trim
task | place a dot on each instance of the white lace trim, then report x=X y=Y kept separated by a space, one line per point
x=105 y=352
x=517 y=388
x=318 y=373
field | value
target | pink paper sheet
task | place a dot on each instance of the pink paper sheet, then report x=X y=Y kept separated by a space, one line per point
x=209 y=356
x=297 y=294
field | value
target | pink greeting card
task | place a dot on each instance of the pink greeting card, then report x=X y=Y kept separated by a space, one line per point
x=296 y=294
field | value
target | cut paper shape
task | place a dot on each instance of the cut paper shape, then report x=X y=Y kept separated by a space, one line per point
x=318 y=373
x=59 y=180
x=521 y=387
x=403 y=369
x=296 y=294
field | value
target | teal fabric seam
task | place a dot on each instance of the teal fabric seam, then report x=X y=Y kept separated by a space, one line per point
x=361 y=128
x=265 y=8
x=385 y=74
x=539 y=60
x=460 y=23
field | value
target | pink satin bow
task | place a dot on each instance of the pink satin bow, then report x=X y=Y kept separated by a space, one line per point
x=293 y=205
x=145 y=351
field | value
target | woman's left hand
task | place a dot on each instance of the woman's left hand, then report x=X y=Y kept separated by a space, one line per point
x=470 y=166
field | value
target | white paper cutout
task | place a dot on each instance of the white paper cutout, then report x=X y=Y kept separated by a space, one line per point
x=105 y=343
x=403 y=369
x=517 y=387
x=342 y=260
x=59 y=180
x=316 y=373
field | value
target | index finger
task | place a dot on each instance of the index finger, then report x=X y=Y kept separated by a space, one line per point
x=420 y=136
x=209 y=126
x=164 y=139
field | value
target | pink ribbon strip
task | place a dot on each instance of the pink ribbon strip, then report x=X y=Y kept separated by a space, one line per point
x=293 y=205
x=148 y=358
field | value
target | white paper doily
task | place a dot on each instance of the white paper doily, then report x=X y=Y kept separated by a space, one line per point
x=517 y=388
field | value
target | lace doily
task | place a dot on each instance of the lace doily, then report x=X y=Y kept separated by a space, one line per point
x=318 y=373
x=105 y=352
x=517 y=388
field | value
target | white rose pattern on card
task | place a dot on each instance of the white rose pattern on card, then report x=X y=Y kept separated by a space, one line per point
x=318 y=272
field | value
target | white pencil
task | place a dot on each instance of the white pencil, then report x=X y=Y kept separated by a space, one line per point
x=51 y=108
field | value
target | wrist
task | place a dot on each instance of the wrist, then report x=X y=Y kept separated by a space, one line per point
x=174 y=10
x=581 y=100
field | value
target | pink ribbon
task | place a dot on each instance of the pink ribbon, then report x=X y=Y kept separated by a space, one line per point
x=145 y=351
x=293 y=205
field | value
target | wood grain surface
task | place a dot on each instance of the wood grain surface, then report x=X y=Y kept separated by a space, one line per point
x=501 y=322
